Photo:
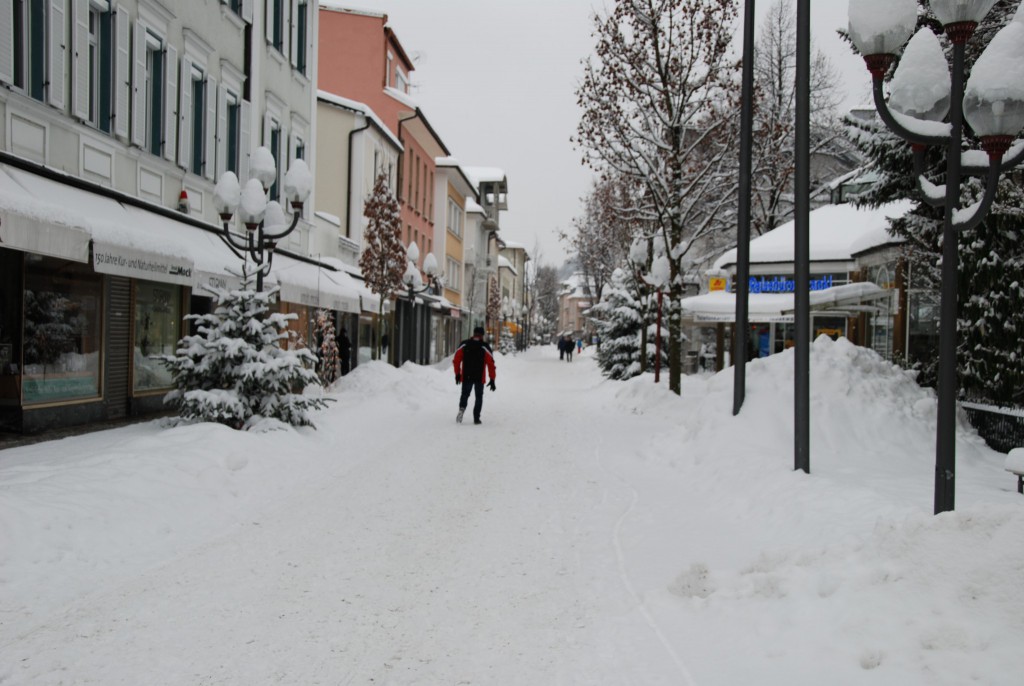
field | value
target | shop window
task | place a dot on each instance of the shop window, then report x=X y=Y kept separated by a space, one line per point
x=157 y=332
x=61 y=344
x=10 y=327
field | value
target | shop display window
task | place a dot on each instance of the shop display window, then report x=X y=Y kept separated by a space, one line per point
x=157 y=332
x=61 y=343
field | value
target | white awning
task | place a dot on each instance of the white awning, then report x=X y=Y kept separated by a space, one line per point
x=49 y=217
x=38 y=226
x=720 y=306
x=303 y=283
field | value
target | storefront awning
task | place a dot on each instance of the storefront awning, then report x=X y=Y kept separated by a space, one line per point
x=779 y=307
x=33 y=225
x=49 y=217
x=308 y=284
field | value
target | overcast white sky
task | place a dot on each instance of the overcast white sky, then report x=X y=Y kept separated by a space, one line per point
x=497 y=79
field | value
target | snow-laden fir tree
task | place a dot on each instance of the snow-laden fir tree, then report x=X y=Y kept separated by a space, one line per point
x=990 y=303
x=233 y=371
x=328 y=364
x=618 y=321
x=383 y=260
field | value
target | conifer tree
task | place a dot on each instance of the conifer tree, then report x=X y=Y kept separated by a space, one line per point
x=618 y=321
x=233 y=371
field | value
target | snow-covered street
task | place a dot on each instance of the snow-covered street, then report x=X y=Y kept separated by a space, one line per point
x=590 y=532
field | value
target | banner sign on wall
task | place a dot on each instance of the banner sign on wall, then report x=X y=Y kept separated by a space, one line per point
x=121 y=260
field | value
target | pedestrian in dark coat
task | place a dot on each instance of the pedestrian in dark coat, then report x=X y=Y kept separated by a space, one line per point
x=345 y=352
x=473 y=361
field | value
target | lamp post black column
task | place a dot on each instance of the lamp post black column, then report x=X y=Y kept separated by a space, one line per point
x=742 y=283
x=802 y=401
x=945 y=431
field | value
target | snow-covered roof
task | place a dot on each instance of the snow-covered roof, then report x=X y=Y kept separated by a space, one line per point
x=473 y=206
x=503 y=263
x=480 y=175
x=341 y=6
x=361 y=108
x=837 y=233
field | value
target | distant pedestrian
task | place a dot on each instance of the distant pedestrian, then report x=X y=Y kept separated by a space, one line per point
x=569 y=347
x=345 y=352
x=561 y=347
x=579 y=345
x=473 y=361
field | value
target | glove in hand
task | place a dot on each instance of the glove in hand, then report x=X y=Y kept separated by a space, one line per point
x=491 y=385
x=458 y=378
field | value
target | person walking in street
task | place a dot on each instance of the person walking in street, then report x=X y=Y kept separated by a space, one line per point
x=473 y=362
x=561 y=347
x=345 y=352
x=569 y=347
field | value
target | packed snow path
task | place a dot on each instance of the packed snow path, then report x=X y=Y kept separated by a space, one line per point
x=589 y=532
x=433 y=553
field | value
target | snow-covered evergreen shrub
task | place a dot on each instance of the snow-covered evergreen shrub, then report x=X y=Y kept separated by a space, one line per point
x=619 y=322
x=233 y=371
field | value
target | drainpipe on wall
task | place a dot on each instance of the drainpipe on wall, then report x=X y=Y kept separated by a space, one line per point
x=348 y=190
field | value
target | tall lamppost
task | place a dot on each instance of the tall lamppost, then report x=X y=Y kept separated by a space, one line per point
x=265 y=222
x=925 y=109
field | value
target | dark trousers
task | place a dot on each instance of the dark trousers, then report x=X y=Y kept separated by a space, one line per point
x=478 y=404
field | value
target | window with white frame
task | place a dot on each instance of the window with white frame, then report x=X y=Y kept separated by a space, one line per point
x=453 y=274
x=197 y=108
x=197 y=115
x=274 y=143
x=387 y=74
x=274 y=139
x=154 y=83
x=232 y=122
x=275 y=22
x=154 y=98
x=24 y=65
x=401 y=81
x=94 y=60
x=455 y=217
x=300 y=31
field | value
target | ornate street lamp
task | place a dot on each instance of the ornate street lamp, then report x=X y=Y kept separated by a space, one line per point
x=413 y=279
x=266 y=223
x=922 y=98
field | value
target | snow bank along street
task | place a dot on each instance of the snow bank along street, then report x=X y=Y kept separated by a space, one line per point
x=590 y=532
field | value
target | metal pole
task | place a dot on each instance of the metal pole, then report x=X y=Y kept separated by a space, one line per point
x=945 y=433
x=802 y=403
x=657 y=345
x=742 y=287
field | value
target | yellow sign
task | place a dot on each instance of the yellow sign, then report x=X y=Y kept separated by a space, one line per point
x=717 y=283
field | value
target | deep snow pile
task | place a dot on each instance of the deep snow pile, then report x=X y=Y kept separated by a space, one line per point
x=621 y=535
x=920 y=598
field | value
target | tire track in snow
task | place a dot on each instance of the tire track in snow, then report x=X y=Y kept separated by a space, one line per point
x=628 y=584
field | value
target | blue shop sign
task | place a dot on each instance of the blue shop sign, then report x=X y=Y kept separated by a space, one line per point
x=780 y=284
